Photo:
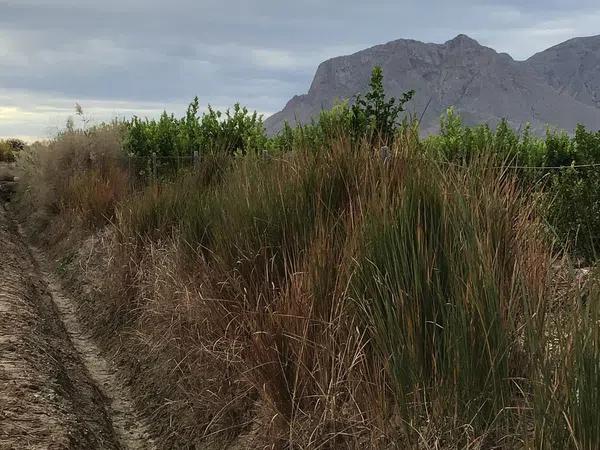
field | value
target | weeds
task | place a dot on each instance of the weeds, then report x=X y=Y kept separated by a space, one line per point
x=81 y=173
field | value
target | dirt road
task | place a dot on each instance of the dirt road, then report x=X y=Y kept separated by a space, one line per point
x=57 y=391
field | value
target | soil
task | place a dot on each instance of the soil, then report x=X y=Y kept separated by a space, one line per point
x=57 y=390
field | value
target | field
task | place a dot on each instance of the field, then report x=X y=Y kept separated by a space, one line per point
x=345 y=284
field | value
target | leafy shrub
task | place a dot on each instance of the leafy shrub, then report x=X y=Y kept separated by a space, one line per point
x=237 y=131
x=542 y=164
x=374 y=115
x=319 y=135
x=373 y=118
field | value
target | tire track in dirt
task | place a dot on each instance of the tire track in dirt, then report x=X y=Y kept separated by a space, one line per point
x=47 y=400
x=57 y=391
x=129 y=427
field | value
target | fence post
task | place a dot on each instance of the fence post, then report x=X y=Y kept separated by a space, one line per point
x=196 y=159
x=385 y=153
x=154 y=168
x=130 y=175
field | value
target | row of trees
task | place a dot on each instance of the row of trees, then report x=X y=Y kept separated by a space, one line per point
x=234 y=131
x=240 y=131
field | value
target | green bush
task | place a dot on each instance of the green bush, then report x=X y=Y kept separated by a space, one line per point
x=372 y=118
x=236 y=131
x=331 y=125
x=375 y=115
x=547 y=165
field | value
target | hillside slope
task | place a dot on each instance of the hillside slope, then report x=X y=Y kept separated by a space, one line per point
x=483 y=85
x=572 y=67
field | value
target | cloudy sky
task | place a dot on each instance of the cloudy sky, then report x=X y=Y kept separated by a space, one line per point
x=124 y=57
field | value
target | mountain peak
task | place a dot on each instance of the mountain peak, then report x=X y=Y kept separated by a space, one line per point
x=560 y=87
x=462 y=40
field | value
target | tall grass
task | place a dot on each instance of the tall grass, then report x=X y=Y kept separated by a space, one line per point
x=443 y=278
x=409 y=292
x=330 y=298
x=80 y=172
x=566 y=390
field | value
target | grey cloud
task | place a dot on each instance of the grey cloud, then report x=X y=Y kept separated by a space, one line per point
x=259 y=52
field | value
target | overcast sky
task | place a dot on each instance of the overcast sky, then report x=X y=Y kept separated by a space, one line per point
x=124 y=57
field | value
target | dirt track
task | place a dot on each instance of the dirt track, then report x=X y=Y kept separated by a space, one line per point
x=56 y=389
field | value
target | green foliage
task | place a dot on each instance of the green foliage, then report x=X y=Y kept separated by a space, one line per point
x=232 y=132
x=544 y=165
x=409 y=297
x=434 y=258
x=159 y=210
x=459 y=143
x=373 y=118
x=584 y=395
x=331 y=126
x=236 y=131
x=374 y=114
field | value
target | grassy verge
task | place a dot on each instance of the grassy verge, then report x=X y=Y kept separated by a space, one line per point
x=328 y=298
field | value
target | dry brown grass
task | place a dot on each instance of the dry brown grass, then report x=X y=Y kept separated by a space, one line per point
x=80 y=173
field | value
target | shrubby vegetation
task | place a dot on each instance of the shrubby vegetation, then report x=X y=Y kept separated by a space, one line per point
x=9 y=149
x=373 y=119
x=81 y=172
x=306 y=291
x=565 y=169
x=232 y=132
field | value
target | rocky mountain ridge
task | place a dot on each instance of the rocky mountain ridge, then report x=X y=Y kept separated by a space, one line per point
x=559 y=87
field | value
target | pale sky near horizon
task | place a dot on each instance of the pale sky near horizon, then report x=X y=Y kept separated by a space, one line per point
x=125 y=57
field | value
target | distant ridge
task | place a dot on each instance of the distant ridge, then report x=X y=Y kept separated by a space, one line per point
x=559 y=87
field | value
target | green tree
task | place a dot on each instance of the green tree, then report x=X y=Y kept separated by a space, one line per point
x=376 y=115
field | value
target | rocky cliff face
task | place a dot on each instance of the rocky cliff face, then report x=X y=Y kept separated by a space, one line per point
x=559 y=87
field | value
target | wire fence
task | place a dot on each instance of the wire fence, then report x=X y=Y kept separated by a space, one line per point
x=145 y=170
x=155 y=168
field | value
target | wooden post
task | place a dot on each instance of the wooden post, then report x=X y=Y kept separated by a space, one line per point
x=196 y=159
x=130 y=175
x=154 y=168
x=385 y=153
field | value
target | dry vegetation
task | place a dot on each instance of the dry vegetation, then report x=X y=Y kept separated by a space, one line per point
x=324 y=298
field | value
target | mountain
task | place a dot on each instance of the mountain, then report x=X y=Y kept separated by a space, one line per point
x=558 y=87
x=572 y=67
